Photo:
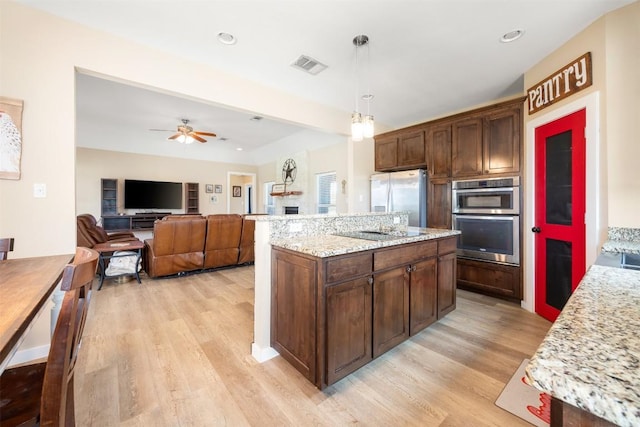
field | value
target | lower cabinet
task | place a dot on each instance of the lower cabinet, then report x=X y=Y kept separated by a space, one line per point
x=331 y=316
x=490 y=278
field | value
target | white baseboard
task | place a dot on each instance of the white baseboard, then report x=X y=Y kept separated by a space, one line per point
x=263 y=354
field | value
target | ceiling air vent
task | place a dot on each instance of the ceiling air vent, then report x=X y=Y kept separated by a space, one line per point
x=308 y=64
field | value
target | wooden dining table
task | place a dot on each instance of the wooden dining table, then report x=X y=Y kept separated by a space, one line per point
x=26 y=284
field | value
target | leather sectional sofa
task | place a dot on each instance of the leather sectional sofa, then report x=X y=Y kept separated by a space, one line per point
x=184 y=243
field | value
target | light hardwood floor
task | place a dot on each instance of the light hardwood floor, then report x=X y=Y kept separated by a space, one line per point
x=176 y=352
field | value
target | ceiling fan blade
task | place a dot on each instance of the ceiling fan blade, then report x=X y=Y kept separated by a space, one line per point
x=205 y=133
x=163 y=130
x=175 y=136
x=196 y=137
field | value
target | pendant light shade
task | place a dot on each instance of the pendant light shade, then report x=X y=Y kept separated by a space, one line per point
x=361 y=127
x=357 y=127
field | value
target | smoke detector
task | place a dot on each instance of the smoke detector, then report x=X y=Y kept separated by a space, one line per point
x=308 y=65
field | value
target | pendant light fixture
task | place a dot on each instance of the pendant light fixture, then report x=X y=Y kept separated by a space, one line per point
x=361 y=127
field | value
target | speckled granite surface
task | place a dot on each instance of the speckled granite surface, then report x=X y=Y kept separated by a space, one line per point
x=590 y=357
x=622 y=240
x=330 y=245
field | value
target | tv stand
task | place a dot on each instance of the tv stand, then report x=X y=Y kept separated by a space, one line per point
x=138 y=222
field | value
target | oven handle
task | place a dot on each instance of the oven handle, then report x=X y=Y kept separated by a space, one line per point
x=483 y=190
x=489 y=217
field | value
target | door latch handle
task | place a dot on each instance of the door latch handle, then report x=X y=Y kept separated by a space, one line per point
x=536 y=229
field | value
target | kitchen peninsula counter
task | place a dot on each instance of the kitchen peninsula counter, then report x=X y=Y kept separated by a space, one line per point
x=590 y=358
x=332 y=244
x=339 y=300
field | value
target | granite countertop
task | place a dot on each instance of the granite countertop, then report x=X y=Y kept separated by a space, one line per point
x=330 y=244
x=590 y=357
x=622 y=240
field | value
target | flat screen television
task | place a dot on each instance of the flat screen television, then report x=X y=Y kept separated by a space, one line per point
x=152 y=194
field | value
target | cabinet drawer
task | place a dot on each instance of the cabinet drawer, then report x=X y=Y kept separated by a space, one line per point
x=447 y=245
x=348 y=267
x=404 y=254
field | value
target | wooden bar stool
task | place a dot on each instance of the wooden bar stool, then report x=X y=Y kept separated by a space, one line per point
x=43 y=393
x=6 y=246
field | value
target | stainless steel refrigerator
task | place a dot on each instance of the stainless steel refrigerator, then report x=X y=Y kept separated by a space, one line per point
x=401 y=191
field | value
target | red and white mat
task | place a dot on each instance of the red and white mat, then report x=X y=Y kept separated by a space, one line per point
x=525 y=401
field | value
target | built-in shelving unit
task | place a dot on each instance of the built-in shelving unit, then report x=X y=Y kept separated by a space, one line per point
x=191 y=198
x=109 y=193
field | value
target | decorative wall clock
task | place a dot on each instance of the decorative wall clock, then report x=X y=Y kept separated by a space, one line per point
x=289 y=170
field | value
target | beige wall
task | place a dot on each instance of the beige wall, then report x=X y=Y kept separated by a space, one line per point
x=614 y=43
x=92 y=165
x=40 y=54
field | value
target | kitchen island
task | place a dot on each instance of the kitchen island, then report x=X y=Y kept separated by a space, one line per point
x=340 y=300
x=589 y=362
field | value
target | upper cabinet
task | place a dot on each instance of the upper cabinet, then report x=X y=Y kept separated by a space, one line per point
x=466 y=147
x=401 y=151
x=485 y=141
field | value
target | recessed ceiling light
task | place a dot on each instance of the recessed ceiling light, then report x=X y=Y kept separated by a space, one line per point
x=226 y=38
x=239 y=149
x=367 y=97
x=511 y=36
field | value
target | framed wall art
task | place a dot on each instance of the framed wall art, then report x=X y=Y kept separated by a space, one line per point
x=237 y=191
x=10 y=137
x=218 y=188
x=208 y=188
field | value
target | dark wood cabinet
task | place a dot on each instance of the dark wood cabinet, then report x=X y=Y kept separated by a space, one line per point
x=109 y=196
x=331 y=316
x=349 y=336
x=423 y=295
x=466 y=147
x=293 y=311
x=386 y=154
x=439 y=151
x=191 y=198
x=401 y=151
x=412 y=151
x=439 y=204
x=138 y=222
x=502 y=142
x=494 y=279
x=447 y=282
x=390 y=309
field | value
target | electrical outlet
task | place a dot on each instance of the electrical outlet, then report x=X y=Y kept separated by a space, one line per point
x=39 y=190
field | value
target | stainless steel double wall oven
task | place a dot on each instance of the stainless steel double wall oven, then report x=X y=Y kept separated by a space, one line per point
x=487 y=212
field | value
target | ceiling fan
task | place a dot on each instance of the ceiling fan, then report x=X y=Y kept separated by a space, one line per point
x=186 y=134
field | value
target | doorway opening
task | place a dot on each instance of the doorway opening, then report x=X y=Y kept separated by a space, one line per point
x=241 y=200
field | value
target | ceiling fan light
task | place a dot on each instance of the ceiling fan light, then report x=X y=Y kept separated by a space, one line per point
x=356 y=126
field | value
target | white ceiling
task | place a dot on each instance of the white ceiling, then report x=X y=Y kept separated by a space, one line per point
x=426 y=58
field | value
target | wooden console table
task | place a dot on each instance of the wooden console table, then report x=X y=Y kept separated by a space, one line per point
x=26 y=286
x=131 y=222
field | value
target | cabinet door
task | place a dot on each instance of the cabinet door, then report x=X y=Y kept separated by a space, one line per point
x=466 y=148
x=502 y=142
x=439 y=151
x=109 y=205
x=423 y=295
x=293 y=311
x=412 y=151
x=390 y=309
x=446 y=284
x=439 y=204
x=348 y=327
x=191 y=197
x=386 y=157
x=490 y=278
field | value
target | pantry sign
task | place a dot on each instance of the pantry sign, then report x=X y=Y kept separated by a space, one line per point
x=570 y=79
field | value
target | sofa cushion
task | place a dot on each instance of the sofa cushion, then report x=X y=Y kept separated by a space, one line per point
x=247 y=241
x=177 y=245
x=223 y=240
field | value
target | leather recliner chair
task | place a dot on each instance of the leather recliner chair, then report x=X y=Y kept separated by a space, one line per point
x=177 y=245
x=247 y=241
x=89 y=234
x=222 y=246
